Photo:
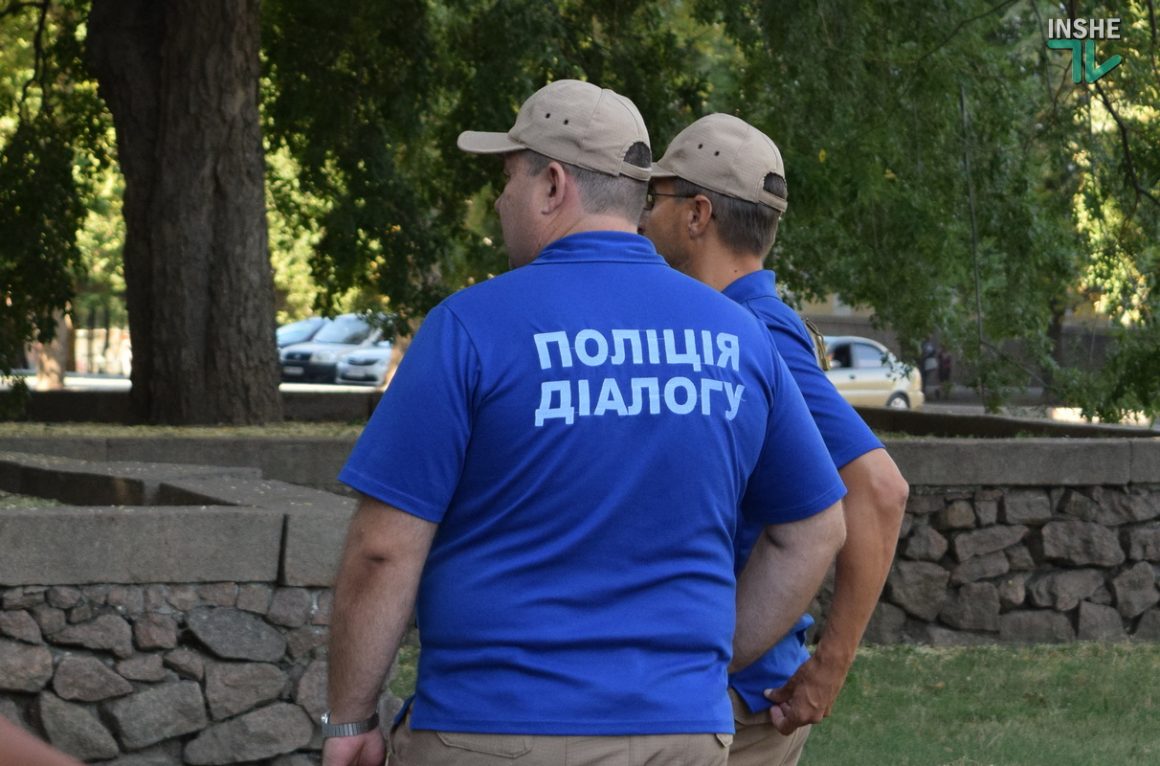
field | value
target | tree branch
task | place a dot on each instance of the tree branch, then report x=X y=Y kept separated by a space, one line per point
x=38 y=57
x=959 y=27
x=1129 y=163
x=17 y=7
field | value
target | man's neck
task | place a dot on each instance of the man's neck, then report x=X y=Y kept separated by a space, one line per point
x=720 y=267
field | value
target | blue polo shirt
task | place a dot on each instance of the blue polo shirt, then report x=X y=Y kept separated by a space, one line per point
x=582 y=430
x=847 y=438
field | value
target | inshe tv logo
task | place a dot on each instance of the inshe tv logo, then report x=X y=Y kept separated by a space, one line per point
x=1079 y=36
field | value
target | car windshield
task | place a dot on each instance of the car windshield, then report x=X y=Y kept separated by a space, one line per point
x=349 y=330
x=297 y=332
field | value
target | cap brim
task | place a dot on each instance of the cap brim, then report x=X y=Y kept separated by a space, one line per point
x=481 y=142
x=659 y=171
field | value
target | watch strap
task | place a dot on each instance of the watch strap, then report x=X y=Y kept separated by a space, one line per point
x=347 y=729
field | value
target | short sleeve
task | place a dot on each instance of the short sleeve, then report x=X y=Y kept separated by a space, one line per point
x=795 y=477
x=410 y=455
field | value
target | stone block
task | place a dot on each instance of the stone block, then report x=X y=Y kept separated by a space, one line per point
x=885 y=625
x=1112 y=507
x=108 y=632
x=990 y=540
x=310 y=691
x=24 y=668
x=1135 y=590
x=905 y=527
x=237 y=635
x=158 y=756
x=958 y=514
x=940 y=636
x=187 y=663
x=980 y=568
x=182 y=597
x=1100 y=623
x=50 y=619
x=1041 y=626
x=82 y=612
x=64 y=597
x=75 y=730
x=1020 y=558
x=1029 y=507
x=302 y=641
x=10 y=711
x=1145 y=465
x=974 y=606
x=1079 y=543
x=918 y=587
x=1012 y=592
x=22 y=598
x=87 y=679
x=270 y=731
x=323 y=608
x=157 y=714
x=925 y=544
x=1143 y=543
x=143 y=667
x=255 y=597
x=126 y=599
x=155 y=631
x=1148 y=628
x=290 y=607
x=986 y=509
x=232 y=688
x=219 y=593
x=127 y=545
x=1031 y=462
x=1063 y=590
x=921 y=505
x=20 y=625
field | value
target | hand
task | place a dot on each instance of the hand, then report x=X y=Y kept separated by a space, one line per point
x=808 y=696
x=367 y=749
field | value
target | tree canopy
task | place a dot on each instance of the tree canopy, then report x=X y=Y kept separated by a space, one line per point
x=943 y=167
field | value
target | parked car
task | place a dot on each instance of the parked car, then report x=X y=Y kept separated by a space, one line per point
x=365 y=365
x=867 y=374
x=317 y=359
x=300 y=331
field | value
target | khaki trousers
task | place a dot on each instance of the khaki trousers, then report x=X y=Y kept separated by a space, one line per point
x=410 y=747
x=757 y=743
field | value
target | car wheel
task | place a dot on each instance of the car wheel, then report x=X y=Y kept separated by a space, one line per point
x=898 y=402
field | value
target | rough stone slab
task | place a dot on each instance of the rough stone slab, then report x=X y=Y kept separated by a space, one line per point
x=1020 y=558
x=255 y=597
x=290 y=607
x=64 y=597
x=182 y=597
x=128 y=545
x=974 y=606
x=1063 y=590
x=143 y=667
x=11 y=712
x=1015 y=462
x=157 y=714
x=155 y=631
x=22 y=598
x=940 y=636
x=1031 y=507
x=1035 y=627
x=990 y=540
x=1100 y=623
x=1145 y=466
x=1143 y=543
x=83 y=612
x=153 y=757
x=986 y=509
x=1111 y=507
x=310 y=692
x=919 y=587
x=219 y=593
x=187 y=663
x=75 y=730
x=958 y=514
x=21 y=626
x=905 y=527
x=925 y=544
x=50 y=619
x=1081 y=543
x=86 y=679
x=1148 y=629
x=316 y=522
x=323 y=608
x=24 y=668
x=920 y=505
x=126 y=599
x=980 y=568
x=108 y=632
x=302 y=641
x=275 y=730
x=1136 y=590
x=1012 y=592
x=232 y=688
x=885 y=625
x=237 y=635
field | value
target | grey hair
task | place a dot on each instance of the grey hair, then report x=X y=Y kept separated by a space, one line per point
x=745 y=227
x=600 y=192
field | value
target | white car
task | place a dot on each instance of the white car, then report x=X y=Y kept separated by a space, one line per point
x=316 y=360
x=867 y=374
x=365 y=365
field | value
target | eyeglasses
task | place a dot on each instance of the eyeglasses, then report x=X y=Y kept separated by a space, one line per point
x=650 y=197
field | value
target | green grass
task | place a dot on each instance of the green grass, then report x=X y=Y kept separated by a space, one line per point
x=1070 y=705
x=9 y=500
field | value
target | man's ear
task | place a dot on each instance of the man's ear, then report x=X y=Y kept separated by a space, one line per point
x=699 y=215
x=555 y=187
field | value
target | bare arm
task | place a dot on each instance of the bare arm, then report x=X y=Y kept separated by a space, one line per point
x=874 y=506
x=782 y=574
x=374 y=597
x=18 y=746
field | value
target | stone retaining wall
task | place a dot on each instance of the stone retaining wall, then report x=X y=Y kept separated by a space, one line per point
x=188 y=624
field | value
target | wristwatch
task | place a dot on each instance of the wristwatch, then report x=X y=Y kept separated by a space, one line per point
x=347 y=729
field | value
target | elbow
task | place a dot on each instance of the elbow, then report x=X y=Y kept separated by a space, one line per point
x=891 y=492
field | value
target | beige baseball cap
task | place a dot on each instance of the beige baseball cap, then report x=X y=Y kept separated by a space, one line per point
x=727 y=155
x=574 y=122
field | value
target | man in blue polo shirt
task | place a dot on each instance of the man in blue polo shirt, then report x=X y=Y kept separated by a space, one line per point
x=716 y=198
x=553 y=477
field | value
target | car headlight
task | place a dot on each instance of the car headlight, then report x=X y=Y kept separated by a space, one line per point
x=325 y=357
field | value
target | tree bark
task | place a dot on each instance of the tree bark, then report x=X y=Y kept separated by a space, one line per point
x=181 y=80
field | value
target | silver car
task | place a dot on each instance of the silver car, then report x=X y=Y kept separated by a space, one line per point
x=365 y=365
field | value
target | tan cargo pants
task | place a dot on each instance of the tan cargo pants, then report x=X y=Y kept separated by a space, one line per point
x=757 y=743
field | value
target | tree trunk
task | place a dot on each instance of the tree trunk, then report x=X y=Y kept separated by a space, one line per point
x=181 y=80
